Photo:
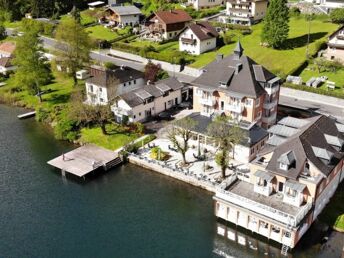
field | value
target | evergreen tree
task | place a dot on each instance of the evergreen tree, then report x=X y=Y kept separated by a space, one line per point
x=33 y=70
x=276 y=24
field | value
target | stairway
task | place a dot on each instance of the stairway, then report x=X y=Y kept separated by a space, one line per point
x=113 y=163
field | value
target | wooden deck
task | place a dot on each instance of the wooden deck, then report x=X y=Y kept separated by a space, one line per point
x=85 y=159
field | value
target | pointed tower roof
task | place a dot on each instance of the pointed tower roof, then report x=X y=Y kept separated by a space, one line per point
x=238 y=50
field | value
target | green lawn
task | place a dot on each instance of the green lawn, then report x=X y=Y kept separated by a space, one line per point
x=340 y=223
x=61 y=88
x=112 y=141
x=281 y=62
x=100 y=32
x=86 y=17
x=337 y=77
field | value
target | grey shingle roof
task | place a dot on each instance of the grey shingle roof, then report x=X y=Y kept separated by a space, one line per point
x=310 y=144
x=254 y=134
x=109 y=78
x=243 y=82
x=125 y=10
x=133 y=98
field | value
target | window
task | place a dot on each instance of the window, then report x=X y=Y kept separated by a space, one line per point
x=257 y=102
x=134 y=116
x=169 y=102
x=91 y=88
x=129 y=83
x=101 y=100
x=222 y=105
x=124 y=84
x=140 y=114
x=101 y=89
x=134 y=81
x=283 y=166
x=291 y=192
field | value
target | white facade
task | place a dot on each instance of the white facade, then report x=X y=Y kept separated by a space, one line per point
x=200 y=4
x=144 y=111
x=100 y=95
x=245 y=12
x=129 y=20
x=190 y=43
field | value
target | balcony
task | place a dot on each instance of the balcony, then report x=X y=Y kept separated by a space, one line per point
x=121 y=111
x=270 y=104
x=271 y=90
x=236 y=108
x=207 y=101
x=188 y=41
x=242 y=194
x=269 y=119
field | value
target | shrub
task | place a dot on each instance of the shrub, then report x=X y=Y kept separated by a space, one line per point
x=158 y=154
x=139 y=128
x=337 y=15
x=43 y=115
x=65 y=128
x=315 y=90
x=110 y=65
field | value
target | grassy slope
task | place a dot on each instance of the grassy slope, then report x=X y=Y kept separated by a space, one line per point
x=278 y=61
x=100 y=32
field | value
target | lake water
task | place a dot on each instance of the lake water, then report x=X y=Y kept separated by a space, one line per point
x=127 y=212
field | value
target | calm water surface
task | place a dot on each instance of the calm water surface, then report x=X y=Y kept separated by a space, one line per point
x=127 y=212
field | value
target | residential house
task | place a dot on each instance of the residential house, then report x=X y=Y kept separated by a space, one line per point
x=105 y=84
x=329 y=4
x=6 y=55
x=245 y=12
x=237 y=87
x=144 y=103
x=335 y=46
x=7 y=49
x=289 y=183
x=96 y=4
x=117 y=2
x=201 y=4
x=198 y=38
x=168 y=24
x=123 y=15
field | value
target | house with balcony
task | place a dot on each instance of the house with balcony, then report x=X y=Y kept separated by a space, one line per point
x=198 y=38
x=105 y=84
x=245 y=12
x=289 y=183
x=144 y=103
x=168 y=24
x=128 y=15
x=335 y=46
x=202 y=4
x=238 y=87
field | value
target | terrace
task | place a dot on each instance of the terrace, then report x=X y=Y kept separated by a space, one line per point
x=242 y=194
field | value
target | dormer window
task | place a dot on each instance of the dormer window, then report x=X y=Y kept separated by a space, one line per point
x=286 y=160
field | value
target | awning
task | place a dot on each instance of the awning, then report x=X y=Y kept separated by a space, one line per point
x=295 y=186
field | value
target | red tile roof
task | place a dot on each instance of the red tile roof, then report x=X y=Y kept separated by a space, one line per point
x=173 y=16
x=7 y=47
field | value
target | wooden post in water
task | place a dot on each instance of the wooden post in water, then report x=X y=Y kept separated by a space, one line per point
x=63 y=173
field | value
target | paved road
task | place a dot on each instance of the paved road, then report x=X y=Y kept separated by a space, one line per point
x=325 y=109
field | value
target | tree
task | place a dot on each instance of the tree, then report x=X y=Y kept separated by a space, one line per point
x=98 y=115
x=180 y=133
x=74 y=46
x=337 y=15
x=276 y=24
x=226 y=135
x=153 y=72
x=33 y=69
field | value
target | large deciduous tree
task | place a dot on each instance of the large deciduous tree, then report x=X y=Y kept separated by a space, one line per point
x=276 y=24
x=179 y=133
x=33 y=70
x=73 y=46
x=226 y=135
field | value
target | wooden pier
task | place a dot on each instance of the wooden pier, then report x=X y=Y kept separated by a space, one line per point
x=27 y=115
x=86 y=159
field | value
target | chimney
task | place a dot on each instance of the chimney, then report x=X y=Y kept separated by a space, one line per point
x=238 y=68
x=219 y=57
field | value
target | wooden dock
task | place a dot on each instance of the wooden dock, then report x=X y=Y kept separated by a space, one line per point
x=27 y=115
x=86 y=159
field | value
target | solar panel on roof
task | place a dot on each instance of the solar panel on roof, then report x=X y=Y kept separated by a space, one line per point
x=143 y=94
x=283 y=130
x=163 y=87
x=293 y=122
x=276 y=140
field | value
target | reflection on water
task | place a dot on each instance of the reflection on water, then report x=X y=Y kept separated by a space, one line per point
x=232 y=241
